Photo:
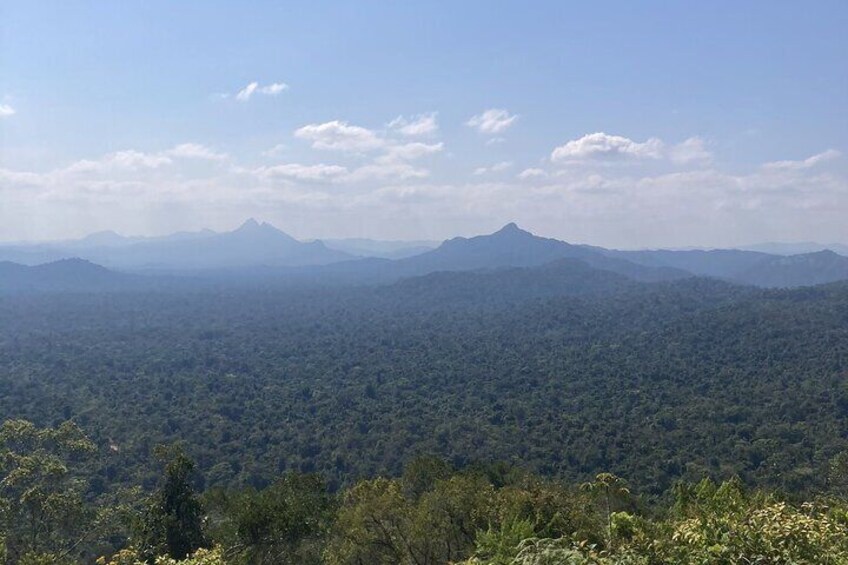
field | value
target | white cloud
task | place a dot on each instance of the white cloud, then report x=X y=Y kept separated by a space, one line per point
x=496 y=168
x=320 y=172
x=6 y=111
x=690 y=151
x=386 y=171
x=195 y=151
x=275 y=151
x=532 y=173
x=128 y=160
x=133 y=160
x=604 y=146
x=272 y=89
x=391 y=163
x=492 y=121
x=340 y=136
x=20 y=179
x=245 y=93
x=683 y=198
x=423 y=124
x=496 y=140
x=409 y=152
x=806 y=163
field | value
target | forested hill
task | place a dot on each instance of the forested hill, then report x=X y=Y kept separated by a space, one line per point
x=652 y=381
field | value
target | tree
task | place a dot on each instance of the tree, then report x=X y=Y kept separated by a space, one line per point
x=172 y=523
x=281 y=524
x=608 y=488
x=837 y=476
x=371 y=525
x=43 y=514
x=421 y=473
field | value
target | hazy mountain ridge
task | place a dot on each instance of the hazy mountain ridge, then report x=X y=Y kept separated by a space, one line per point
x=259 y=253
x=63 y=275
x=252 y=244
x=510 y=284
x=363 y=247
x=797 y=248
x=748 y=267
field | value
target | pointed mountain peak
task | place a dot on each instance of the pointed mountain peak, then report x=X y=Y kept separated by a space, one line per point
x=511 y=229
x=254 y=229
x=249 y=224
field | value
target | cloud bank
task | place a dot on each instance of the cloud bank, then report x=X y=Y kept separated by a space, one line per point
x=336 y=179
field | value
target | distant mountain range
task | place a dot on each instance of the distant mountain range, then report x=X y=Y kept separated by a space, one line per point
x=775 y=248
x=748 y=267
x=253 y=244
x=259 y=253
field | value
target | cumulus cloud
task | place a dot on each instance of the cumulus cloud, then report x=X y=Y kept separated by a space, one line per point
x=807 y=163
x=387 y=171
x=607 y=147
x=340 y=136
x=320 y=172
x=601 y=147
x=272 y=89
x=134 y=160
x=421 y=125
x=691 y=151
x=381 y=169
x=409 y=151
x=6 y=111
x=196 y=151
x=393 y=157
x=129 y=159
x=496 y=168
x=532 y=173
x=492 y=121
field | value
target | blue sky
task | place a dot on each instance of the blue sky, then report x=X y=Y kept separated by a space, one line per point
x=617 y=123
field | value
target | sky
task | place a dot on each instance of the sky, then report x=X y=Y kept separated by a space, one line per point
x=624 y=124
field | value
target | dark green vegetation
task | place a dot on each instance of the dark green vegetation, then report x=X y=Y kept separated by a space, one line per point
x=566 y=370
x=431 y=514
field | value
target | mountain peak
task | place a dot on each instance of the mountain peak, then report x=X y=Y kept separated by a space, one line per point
x=256 y=232
x=249 y=224
x=512 y=229
x=107 y=237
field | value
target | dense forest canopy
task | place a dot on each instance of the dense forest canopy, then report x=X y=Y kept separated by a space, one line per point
x=554 y=413
x=570 y=376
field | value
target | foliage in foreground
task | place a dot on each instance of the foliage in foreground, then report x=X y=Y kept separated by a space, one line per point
x=431 y=515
